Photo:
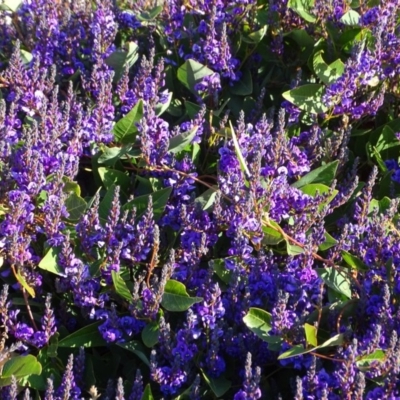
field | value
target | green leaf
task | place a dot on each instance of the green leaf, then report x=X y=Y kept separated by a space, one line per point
x=111 y=177
x=76 y=206
x=207 y=198
x=385 y=187
x=258 y=321
x=311 y=334
x=351 y=37
x=324 y=174
x=136 y=348
x=353 y=261
x=327 y=73
x=302 y=39
x=11 y=5
x=313 y=188
x=296 y=350
x=256 y=36
x=219 y=386
x=244 y=86
x=375 y=135
x=160 y=199
x=192 y=109
x=119 y=60
x=382 y=205
x=336 y=340
x=179 y=142
x=351 y=18
x=50 y=263
x=70 y=186
x=20 y=366
x=328 y=243
x=196 y=149
x=88 y=336
x=150 y=15
x=365 y=361
x=293 y=250
x=53 y=345
x=387 y=140
x=302 y=8
x=147 y=395
x=218 y=112
x=191 y=73
x=144 y=187
x=307 y=97
x=271 y=236
x=274 y=342
x=337 y=68
x=176 y=298
x=125 y=129
x=338 y=281
x=162 y=107
x=22 y=281
x=219 y=267
x=321 y=68
x=26 y=56
x=111 y=155
x=105 y=204
x=150 y=334
x=120 y=286
x=4 y=210
x=238 y=151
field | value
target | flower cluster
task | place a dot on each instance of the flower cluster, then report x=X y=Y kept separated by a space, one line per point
x=199 y=199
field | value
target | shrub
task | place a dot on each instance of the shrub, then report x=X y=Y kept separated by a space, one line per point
x=199 y=199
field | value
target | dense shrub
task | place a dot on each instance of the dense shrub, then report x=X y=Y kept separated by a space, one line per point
x=199 y=199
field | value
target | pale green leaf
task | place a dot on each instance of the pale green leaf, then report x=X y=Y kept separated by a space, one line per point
x=336 y=280
x=238 y=152
x=258 y=321
x=302 y=8
x=179 y=142
x=191 y=73
x=307 y=97
x=50 y=262
x=311 y=334
x=351 y=18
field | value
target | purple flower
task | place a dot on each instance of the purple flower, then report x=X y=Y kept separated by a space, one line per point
x=22 y=331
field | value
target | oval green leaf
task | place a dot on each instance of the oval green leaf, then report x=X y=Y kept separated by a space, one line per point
x=179 y=142
x=307 y=97
x=150 y=334
x=88 y=336
x=176 y=298
x=49 y=262
x=336 y=280
x=160 y=200
x=258 y=321
x=125 y=129
x=137 y=348
x=20 y=366
x=120 y=286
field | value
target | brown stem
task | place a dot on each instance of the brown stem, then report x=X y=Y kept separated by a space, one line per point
x=152 y=265
x=340 y=316
x=28 y=308
x=327 y=357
